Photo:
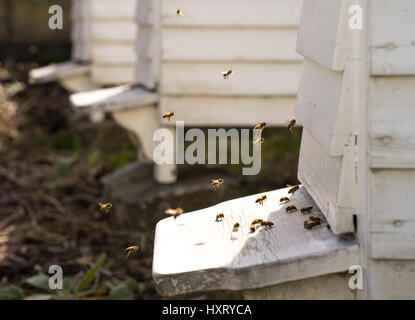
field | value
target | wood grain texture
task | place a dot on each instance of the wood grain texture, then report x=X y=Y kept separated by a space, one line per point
x=241 y=13
x=392 y=49
x=331 y=181
x=248 y=79
x=221 y=111
x=392 y=131
x=195 y=253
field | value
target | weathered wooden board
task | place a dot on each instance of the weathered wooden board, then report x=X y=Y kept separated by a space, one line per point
x=392 y=227
x=392 y=130
x=326 y=104
x=194 y=44
x=113 y=9
x=245 y=13
x=114 y=53
x=228 y=111
x=59 y=71
x=328 y=41
x=331 y=181
x=392 y=48
x=195 y=253
x=247 y=79
x=118 y=31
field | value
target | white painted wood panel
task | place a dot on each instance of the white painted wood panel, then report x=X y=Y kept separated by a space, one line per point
x=194 y=44
x=241 y=13
x=392 y=227
x=393 y=44
x=113 y=9
x=392 y=129
x=324 y=35
x=113 y=54
x=118 y=31
x=326 y=105
x=228 y=111
x=194 y=252
x=331 y=181
x=247 y=79
x=115 y=74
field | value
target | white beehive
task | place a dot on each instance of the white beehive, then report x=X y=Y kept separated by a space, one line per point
x=80 y=30
x=113 y=33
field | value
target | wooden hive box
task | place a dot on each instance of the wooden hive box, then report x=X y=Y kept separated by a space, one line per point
x=81 y=30
x=113 y=33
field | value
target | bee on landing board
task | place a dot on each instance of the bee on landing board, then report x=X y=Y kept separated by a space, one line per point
x=306 y=209
x=284 y=199
x=216 y=183
x=220 y=217
x=252 y=228
x=236 y=226
x=267 y=224
x=311 y=224
x=174 y=212
x=261 y=199
x=104 y=207
x=227 y=73
x=260 y=126
x=179 y=13
x=256 y=221
x=130 y=250
x=259 y=141
x=313 y=218
x=293 y=189
x=291 y=208
x=168 y=116
x=291 y=125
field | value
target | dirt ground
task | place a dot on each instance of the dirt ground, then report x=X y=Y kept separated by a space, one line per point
x=51 y=163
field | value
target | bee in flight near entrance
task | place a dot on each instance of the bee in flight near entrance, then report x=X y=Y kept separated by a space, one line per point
x=130 y=250
x=216 y=183
x=104 y=207
x=284 y=199
x=174 y=212
x=179 y=13
x=227 y=73
x=220 y=217
x=291 y=208
x=168 y=115
x=291 y=125
x=261 y=200
x=306 y=209
x=293 y=189
x=260 y=126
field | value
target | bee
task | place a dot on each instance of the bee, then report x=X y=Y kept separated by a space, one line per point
x=236 y=226
x=291 y=208
x=227 y=73
x=311 y=224
x=260 y=126
x=313 y=218
x=259 y=141
x=293 y=189
x=194 y=139
x=291 y=125
x=306 y=209
x=284 y=199
x=267 y=224
x=256 y=221
x=105 y=207
x=174 y=212
x=131 y=250
x=261 y=199
x=179 y=13
x=252 y=228
x=216 y=183
x=168 y=115
x=220 y=217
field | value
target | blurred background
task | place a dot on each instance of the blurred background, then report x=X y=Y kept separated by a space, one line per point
x=52 y=161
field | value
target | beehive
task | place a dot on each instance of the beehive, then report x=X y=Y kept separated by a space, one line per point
x=80 y=30
x=113 y=36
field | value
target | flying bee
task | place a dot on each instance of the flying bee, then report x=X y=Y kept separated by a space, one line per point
x=227 y=73
x=259 y=141
x=291 y=125
x=220 y=217
x=216 y=183
x=267 y=224
x=174 y=212
x=306 y=209
x=260 y=126
x=293 y=189
x=236 y=226
x=261 y=199
x=291 y=208
x=104 y=207
x=179 y=13
x=313 y=218
x=252 y=228
x=284 y=199
x=256 y=221
x=168 y=115
x=131 y=250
